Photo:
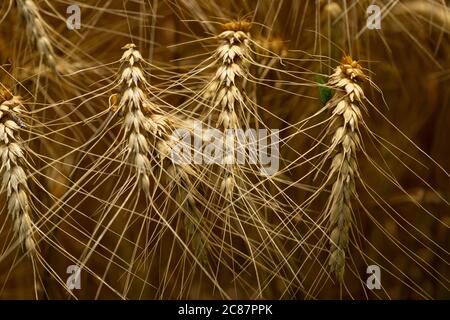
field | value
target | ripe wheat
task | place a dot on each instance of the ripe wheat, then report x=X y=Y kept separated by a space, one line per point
x=14 y=168
x=346 y=115
x=106 y=195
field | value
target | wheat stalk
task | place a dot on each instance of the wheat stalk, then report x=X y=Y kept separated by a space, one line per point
x=35 y=25
x=13 y=168
x=345 y=142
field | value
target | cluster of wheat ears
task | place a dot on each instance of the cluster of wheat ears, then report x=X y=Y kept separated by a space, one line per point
x=88 y=118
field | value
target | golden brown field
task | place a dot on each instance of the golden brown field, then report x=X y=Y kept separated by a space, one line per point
x=98 y=98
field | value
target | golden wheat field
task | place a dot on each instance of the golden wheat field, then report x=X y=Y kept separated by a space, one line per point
x=236 y=149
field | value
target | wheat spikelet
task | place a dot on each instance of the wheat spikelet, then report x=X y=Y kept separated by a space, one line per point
x=36 y=30
x=343 y=126
x=13 y=169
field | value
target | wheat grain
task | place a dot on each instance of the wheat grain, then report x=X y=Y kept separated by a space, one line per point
x=13 y=168
x=345 y=142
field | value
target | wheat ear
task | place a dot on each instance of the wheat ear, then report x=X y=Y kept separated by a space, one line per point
x=225 y=89
x=346 y=113
x=13 y=169
x=233 y=54
x=36 y=30
x=132 y=102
